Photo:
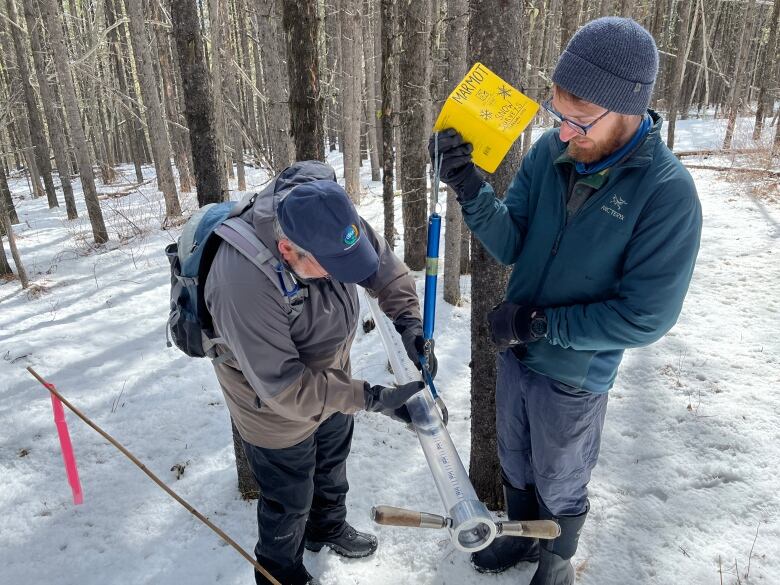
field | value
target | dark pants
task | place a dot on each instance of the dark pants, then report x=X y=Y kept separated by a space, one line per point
x=303 y=490
x=549 y=435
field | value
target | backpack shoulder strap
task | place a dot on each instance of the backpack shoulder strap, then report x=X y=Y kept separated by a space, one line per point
x=242 y=237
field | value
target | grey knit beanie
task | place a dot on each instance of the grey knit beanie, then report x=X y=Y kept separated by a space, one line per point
x=611 y=62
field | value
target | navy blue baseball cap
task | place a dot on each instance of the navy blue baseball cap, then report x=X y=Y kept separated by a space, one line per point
x=319 y=217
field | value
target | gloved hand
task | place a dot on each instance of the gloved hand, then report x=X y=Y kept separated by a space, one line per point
x=511 y=324
x=457 y=169
x=411 y=331
x=391 y=400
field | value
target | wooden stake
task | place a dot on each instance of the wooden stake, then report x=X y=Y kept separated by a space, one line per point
x=155 y=479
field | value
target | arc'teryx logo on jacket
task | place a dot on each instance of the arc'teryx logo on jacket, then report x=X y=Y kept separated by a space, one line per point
x=607 y=285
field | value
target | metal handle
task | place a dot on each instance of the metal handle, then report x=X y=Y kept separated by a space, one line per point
x=391 y=516
x=545 y=529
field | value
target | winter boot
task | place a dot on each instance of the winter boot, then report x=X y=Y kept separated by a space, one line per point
x=297 y=575
x=554 y=564
x=349 y=543
x=507 y=551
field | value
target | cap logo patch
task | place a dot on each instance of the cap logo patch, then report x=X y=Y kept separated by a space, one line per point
x=351 y=236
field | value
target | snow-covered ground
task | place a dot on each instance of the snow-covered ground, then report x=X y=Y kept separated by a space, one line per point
x=686 y=488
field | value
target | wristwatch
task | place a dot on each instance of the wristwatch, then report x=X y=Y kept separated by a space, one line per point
x=538 y=324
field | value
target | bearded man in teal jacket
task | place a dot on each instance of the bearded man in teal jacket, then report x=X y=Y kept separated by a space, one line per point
x=601 y=226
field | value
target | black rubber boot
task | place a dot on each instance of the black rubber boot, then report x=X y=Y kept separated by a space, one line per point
x=505 y=552
x=288 y=576
x=554 y=565
x=349 y=543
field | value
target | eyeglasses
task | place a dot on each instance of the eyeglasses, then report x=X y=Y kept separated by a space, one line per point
x=578 y=128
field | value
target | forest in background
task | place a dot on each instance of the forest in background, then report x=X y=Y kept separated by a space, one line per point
x=202 y=89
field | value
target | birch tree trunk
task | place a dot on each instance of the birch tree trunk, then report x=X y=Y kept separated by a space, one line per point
x=414 y=89
x=52 y=18
x=210 y=180
x=350 y=96
x=155 y=120
x=301 y=29
x=493 y=40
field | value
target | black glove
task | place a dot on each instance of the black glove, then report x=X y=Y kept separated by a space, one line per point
x=456 y=168
x=391 y=400
x=512 y=324
x=411 y=331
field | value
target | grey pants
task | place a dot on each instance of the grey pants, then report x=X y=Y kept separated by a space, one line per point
x=549 y=435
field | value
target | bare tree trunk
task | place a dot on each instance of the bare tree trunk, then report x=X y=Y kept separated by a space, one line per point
x=50 y=109
x=493 y=40
x=414 y=88
x=230 y=82
x=388 y=155
x=93 y=97
x=37 y=132
x=350 y=93
x=155 y=124
x=178 y=134
x=770 y=55
x=280 y=142
x=131 y=112
x=301 y=29
x=5 y=193
x=21 y=125
x=569 y=21
x=371 y=101
x=210 y=180
x=9 y=232
x=684 y=42
x=53 y=21
x=740 y=64
x=457 y=66
x=249 y=98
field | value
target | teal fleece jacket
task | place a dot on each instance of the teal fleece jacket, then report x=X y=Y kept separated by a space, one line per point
x=613 y=277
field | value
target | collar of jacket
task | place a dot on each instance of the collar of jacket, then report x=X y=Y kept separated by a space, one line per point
x=642 y=155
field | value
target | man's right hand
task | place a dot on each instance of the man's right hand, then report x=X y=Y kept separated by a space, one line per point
x=391 y=400
x=457 y=169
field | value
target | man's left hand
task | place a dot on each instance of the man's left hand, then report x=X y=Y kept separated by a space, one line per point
x=411 y=331
x=512 y=324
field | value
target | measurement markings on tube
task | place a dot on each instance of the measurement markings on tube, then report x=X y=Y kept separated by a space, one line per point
x=445 y=458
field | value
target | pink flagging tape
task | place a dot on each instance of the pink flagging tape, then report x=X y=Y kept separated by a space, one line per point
x=67 y=448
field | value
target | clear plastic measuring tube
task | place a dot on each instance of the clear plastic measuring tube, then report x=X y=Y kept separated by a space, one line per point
x=471 y=527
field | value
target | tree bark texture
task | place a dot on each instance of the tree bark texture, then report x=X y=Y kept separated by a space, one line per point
x=351 y=110
x=210 y=180
x=414 y=89
x=493 y=40
x=386 y=119
x=457 y=66
x=9 y=233
x=37 y=131
x=54 y=122
x=738 y=79
x=155 y=119
x=770 y=56
x=301 y=31
x=52 y=19
x=683 y=42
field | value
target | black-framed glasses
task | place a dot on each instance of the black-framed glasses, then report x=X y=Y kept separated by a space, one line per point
x=578 y=128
